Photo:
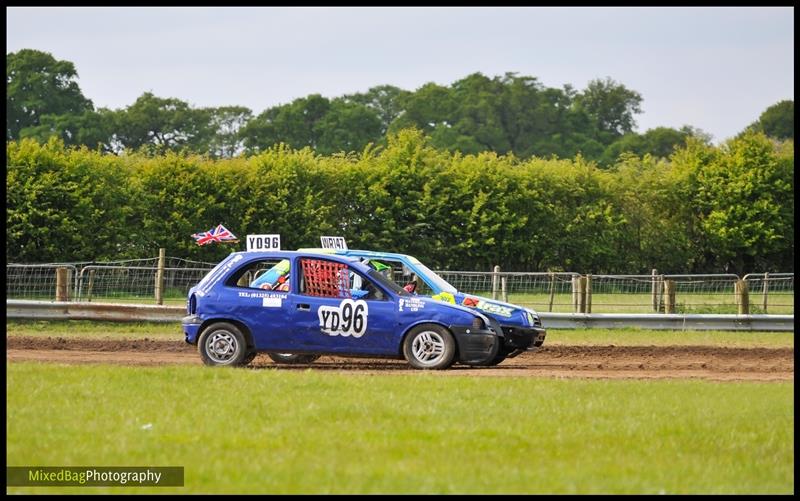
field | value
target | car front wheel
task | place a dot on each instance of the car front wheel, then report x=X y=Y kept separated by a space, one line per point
x=223 y=343
x=430 y=346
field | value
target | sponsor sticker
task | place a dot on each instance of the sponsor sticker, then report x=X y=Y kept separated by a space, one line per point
x=410 y=304
x=446 y=297
x=272 y=302
x=496 y=309
x=257 y=294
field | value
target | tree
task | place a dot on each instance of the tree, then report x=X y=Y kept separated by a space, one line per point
x=94 y=129
x=347 y=127
x=292 y=124
x=225 y=124
x=163 y=124
x=745 y=198
x=429 y=106
x=323 y=125
x=611 y=106
x=37 y=85
x=385 y=100
x=659 y=142
x=777 y=121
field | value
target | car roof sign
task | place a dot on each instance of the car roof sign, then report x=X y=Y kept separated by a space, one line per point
x=333 y=243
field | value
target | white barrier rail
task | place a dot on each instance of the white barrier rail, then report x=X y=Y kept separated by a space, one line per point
x=51 y=310
x=661 y=321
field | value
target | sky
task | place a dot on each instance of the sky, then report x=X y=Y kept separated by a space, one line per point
x=714 y=68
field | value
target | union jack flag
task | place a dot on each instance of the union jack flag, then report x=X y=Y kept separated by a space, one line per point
x=219 y=234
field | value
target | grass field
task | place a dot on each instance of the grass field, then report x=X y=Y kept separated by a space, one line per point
x=263 y=431
x=628 y=337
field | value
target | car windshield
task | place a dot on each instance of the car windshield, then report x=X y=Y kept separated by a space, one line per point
x=438 y=281
x=389 y=284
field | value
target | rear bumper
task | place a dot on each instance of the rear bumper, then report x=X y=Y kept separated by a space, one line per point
x=191 y=326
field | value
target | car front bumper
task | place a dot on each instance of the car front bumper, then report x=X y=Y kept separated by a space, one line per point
x=475 y=346
x=516 y=338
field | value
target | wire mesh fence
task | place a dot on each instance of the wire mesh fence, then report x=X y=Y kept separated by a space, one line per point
x=137 y=281
x=36 y=281
x=540 y=291
x=771 y=293
x=575 y=293
x=133 y=280
x=652 y=293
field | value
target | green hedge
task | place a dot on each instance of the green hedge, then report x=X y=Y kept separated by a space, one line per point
x=707 y=209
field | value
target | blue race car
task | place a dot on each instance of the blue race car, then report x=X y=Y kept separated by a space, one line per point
x=521 y=327
x=296 y=306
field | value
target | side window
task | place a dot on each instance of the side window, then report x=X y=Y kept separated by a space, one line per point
x=265 y=274
x=324 y=278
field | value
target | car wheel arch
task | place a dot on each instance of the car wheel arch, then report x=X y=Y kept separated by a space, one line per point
x=240 y=325
x=423 y=322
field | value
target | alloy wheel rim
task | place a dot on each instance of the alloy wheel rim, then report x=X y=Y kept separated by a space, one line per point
x=428 y=347
x=221 y=347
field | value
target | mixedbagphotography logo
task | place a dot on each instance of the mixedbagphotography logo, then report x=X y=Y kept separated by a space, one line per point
x=95 y=476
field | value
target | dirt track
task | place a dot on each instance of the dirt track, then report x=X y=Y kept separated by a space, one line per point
x=643 y=362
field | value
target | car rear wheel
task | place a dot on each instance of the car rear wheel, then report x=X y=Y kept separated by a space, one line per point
x=429 y=346
x=290 y=358
x=223 y=344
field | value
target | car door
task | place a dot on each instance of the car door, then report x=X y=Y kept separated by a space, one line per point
x=252 y=300
x=339 y=310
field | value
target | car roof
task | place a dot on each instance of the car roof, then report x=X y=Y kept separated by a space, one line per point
x=360 y=253
x=286 y=254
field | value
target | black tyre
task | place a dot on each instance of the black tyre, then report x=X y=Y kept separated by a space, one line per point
x=501 y=355
x=289 y=358
x=249 y=358
x=429 y=346
x=223 y=344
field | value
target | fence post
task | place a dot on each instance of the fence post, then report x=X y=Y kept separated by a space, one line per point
x=495 y=281
x=72 y=278
x=581 y=303
x=588 y=307
x=552 y=290
x=62 y=284
x=764 y=292
x=660 y=293
x=669 y=296
x=90 y=286
x=654 y=288
x=576 y=284
x=503 y=288
x=160 y=277
x=742 y=297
